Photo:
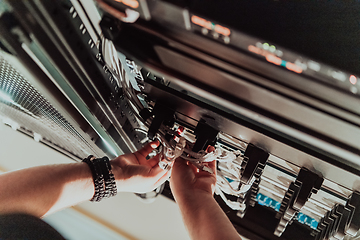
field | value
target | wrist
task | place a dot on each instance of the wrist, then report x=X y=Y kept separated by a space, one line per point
x=118 y=174
x=103 y=177
x=194 y=197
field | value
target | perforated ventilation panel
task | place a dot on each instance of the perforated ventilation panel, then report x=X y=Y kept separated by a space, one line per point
x=24 y=105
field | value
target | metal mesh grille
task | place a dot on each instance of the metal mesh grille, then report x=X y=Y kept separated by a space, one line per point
x=23 y=104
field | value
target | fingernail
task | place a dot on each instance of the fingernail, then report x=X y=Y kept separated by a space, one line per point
x=155 y=144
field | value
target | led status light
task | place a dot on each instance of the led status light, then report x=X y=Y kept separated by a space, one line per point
x=256 y=50
x=314 y=66
x=293 y=67
x=272 y=48
x=353 y=79
x=271 y=58
x=266 y=46
x=305 y=219
x=201 y=22
x=222 y=30
x=129 y=3
x=268 y=202
x=211 y=26
x=338 y=75
x=264 y=200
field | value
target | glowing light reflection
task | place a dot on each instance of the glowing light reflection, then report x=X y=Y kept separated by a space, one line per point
x=353 y=79
x=271 y=58
x=211 y=26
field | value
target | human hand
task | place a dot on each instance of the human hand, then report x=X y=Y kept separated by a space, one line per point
x=134 y=173
x=193 y=190
x=187 y=180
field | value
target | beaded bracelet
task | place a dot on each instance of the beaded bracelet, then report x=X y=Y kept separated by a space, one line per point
x=104 y=180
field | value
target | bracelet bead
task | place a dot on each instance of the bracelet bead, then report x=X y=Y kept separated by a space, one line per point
x=104 y=180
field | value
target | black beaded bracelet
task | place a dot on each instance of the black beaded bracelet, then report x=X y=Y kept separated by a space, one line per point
x=104 y=180
x=109 y=180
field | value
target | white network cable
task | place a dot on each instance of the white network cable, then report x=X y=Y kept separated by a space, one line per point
x=219 y=154
x=232 y=204
x=228 y=175
x=203 y=157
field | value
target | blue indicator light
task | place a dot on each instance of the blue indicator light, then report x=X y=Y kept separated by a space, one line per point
x=309 y=220
x=277 y=206
x=300 y=217
x=283 y=63
x=314 y=224
x=268 y=202
x=273 y=204
x=305 y=219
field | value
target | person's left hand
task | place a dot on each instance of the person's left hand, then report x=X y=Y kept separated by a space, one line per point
x=134 y=173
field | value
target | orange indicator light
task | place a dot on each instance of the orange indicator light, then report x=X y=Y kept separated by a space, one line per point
x=353 y=80
x=258 y=51
x=254 y=49
x=209 y=25
x=222 y=30
x=273 y=59
x=293 y=67
x=130 y=3
x=201 y=22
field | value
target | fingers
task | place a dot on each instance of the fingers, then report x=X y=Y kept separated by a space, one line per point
x=180 y=165
x=162 y=179
x=156 y=169
x=153 y=161
x=183 y=169
x=148 y=148
x=212 y=165
x=194 y=167
x=143 y=152
x=160 y=174
x=210 y=149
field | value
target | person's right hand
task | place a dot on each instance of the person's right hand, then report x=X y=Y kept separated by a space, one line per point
x=193 y=191
x=187 y=181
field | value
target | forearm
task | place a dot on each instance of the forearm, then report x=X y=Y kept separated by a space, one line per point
x=45 y=189
x=204 y=218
